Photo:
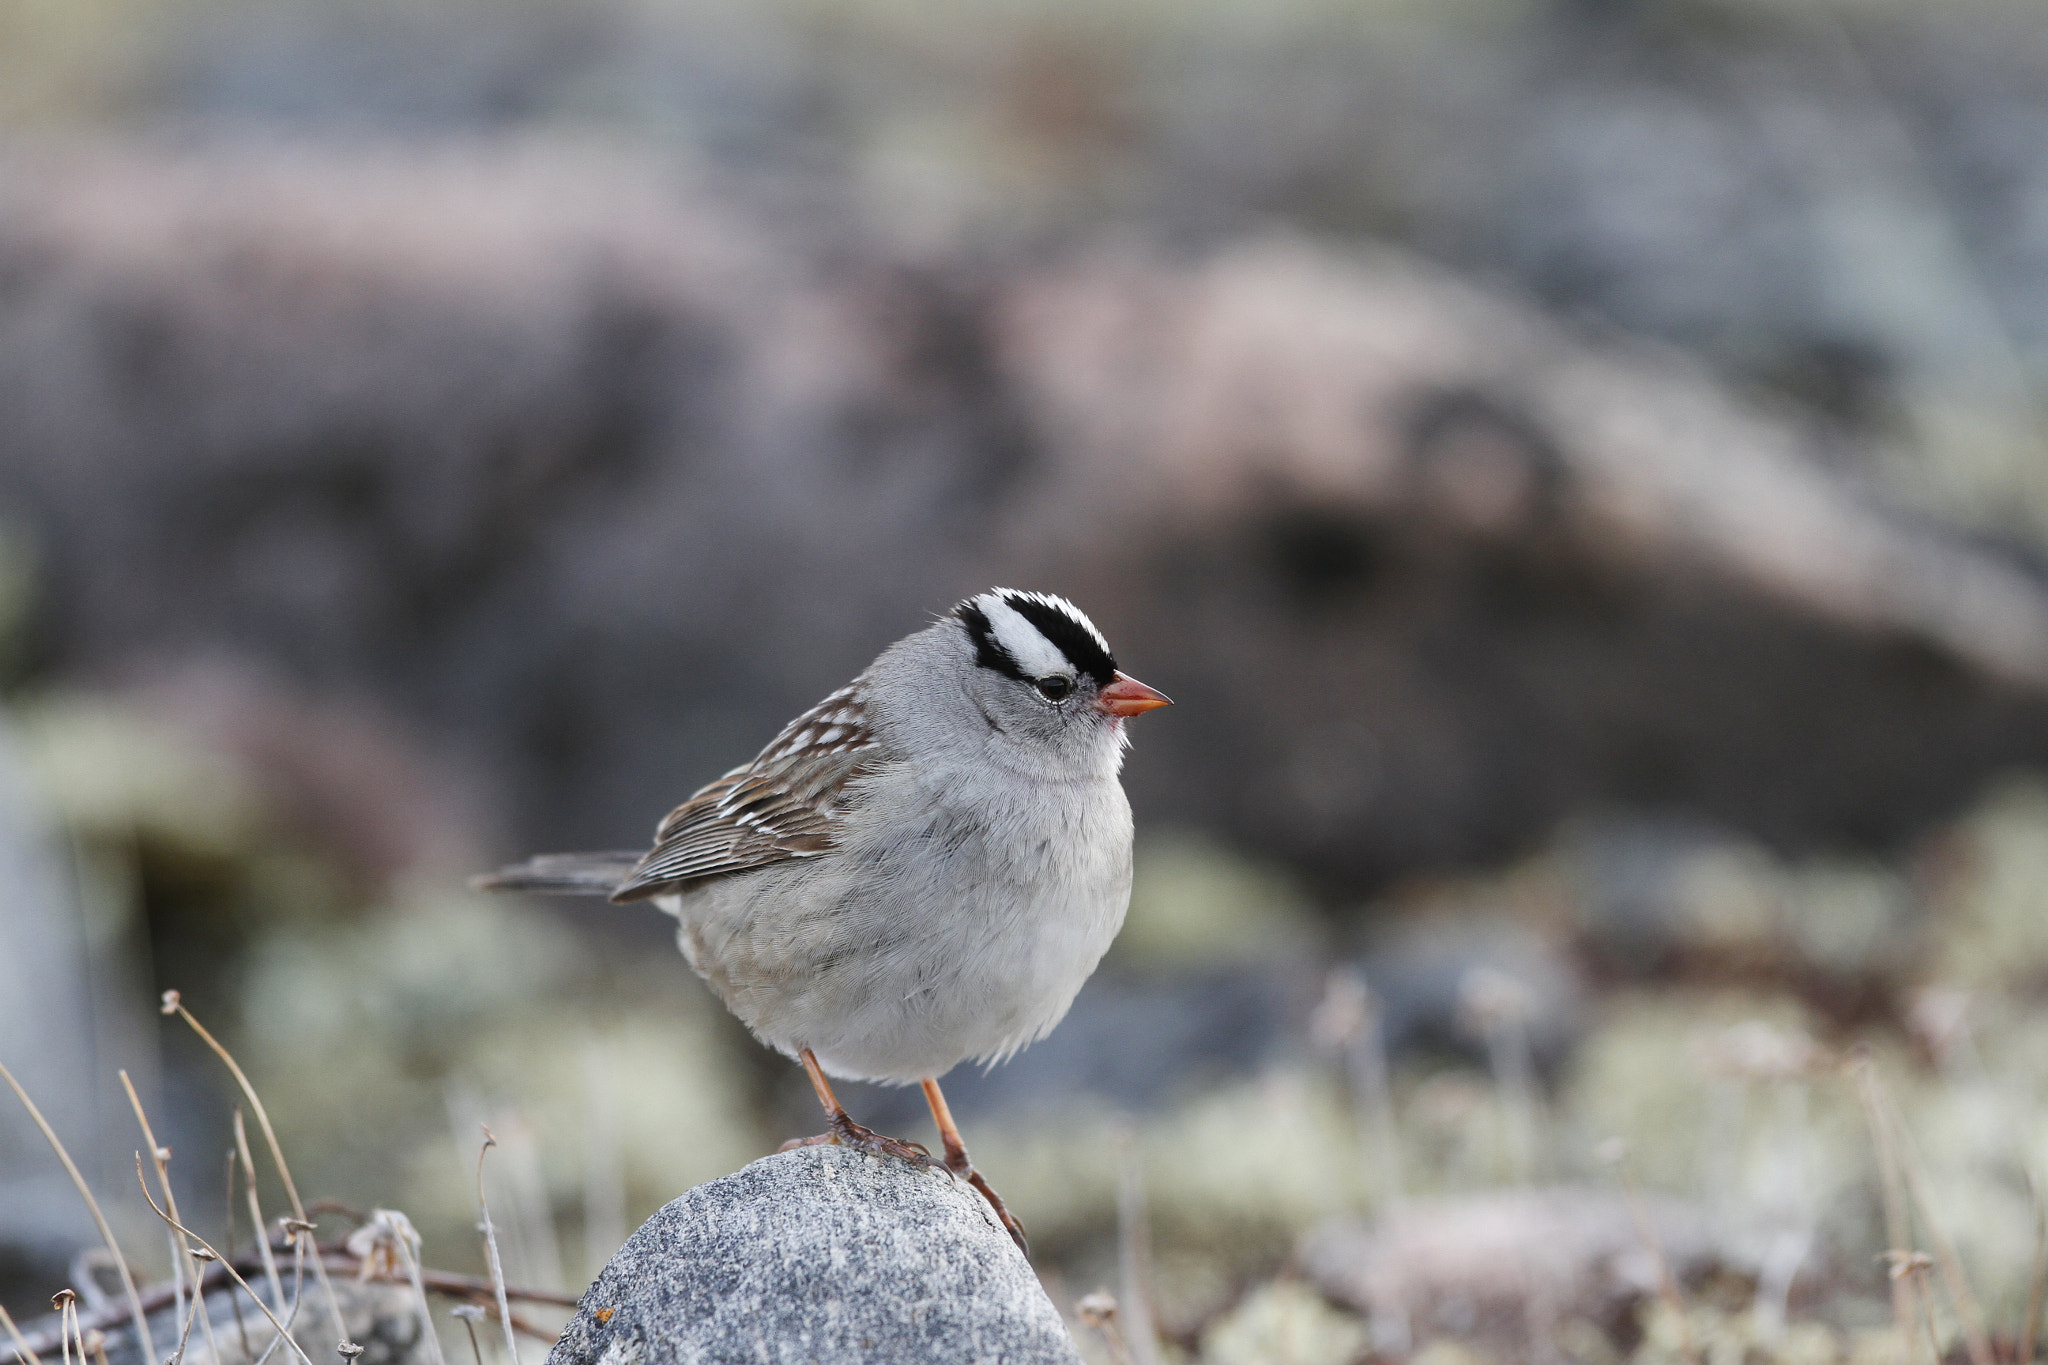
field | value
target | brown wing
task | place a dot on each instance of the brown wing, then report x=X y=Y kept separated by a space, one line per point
x=782 y=805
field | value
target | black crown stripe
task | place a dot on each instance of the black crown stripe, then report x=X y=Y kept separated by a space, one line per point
x=988 y=652
x=1069 y=636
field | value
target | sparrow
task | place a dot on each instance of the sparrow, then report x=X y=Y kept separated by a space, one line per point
x=920 y=870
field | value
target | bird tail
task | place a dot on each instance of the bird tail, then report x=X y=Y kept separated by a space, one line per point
x=563 y=874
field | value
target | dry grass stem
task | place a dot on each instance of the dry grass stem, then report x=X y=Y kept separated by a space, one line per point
x=1615 y=1152
x=1891 y=1185
x=491 y=1252
x=184 y=1332
x=22 y=1351
x=1347 y=1023
x=392 y=1230
x=469 y=1313
x=1975 y=1340
x=1099 y=1311
x=234 y=1302
x=184 y=1264
x=204 y=1245
x=2037 y=1279
x=1498 y=1007
x=1911 y=1267
x=173 y=1005
x=62 y=1302
x=256 y=1212
x=92 y=1205
x=291 y=1318
x=1134 y=1250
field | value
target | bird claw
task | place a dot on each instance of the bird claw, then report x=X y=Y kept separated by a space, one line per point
x=844 y=1132
x=995 y=1201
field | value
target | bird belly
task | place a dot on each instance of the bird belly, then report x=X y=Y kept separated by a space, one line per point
x=920 y=946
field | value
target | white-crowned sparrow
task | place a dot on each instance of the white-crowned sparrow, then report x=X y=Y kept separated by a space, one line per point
x=921 y=869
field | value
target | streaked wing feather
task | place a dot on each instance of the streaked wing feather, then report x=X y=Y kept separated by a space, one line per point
x=783 y=805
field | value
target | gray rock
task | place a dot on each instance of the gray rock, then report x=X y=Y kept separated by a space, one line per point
x=819 y=1254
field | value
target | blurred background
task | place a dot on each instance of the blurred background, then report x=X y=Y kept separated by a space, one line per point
x=1580 y=467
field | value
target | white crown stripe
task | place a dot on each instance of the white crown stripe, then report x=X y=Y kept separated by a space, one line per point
x=1035 y=655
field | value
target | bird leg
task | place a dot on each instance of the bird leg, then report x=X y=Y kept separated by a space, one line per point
x=842 y=1131
x=958 y=1163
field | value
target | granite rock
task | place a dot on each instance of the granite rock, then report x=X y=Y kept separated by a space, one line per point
x=819 y=1254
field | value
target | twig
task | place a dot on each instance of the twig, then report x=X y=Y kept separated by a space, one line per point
x=92 y=1205
x=174 y=1005
x=448 y=1282
x=22 y=1352
x=202 y=1242
x=491 y=1252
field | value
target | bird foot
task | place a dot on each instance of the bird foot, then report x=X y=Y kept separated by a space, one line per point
x=965 y=1170
x=844 y=1132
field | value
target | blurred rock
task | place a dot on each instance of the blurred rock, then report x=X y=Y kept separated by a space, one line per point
x=68 y=1002
x=44 y=996
x=819 y=1254
x=1284 y=1321
x=1424 y=974
x=1506 y=1268
x=594 y=475
x=1678 y=899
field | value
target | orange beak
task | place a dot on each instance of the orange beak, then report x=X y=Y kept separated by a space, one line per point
x=1129 y=697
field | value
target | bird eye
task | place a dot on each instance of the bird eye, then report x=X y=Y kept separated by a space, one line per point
x=1054 y=687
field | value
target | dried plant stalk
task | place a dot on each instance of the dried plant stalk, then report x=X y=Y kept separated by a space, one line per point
x=1134 y=1251
x=92 y=1206
x=184 y=1265
x=234 y=1301
x=491 y=1253
x=63 y=1303
x=173 y=1005
x=1615 y=1152
x=1975 y=1340
x=2037 y=1281
x=217 y=1257
x=1099 y=1310
x=256 y=1211
x=291 y=1318
x=1892 y=1187
x=22 y=1351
